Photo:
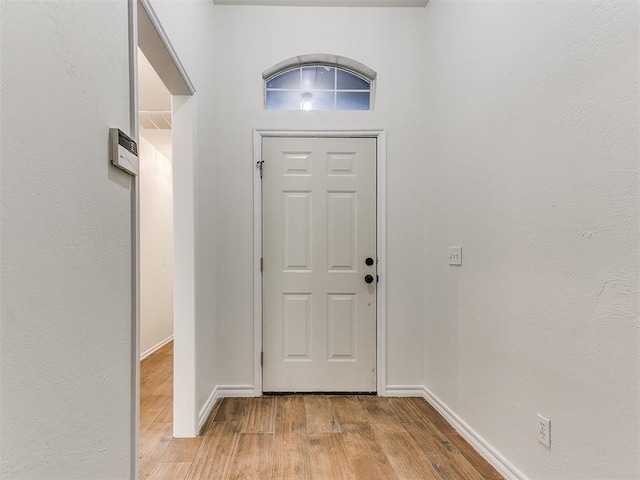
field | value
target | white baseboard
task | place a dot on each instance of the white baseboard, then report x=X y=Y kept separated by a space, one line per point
x=405 y=391
x=219 y=392
x=490 y=454
x=153 y=349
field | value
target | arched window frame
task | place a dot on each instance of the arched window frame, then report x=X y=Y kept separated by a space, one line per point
x=342 y=63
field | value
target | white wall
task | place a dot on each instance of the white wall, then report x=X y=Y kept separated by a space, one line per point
x=65 y=361
x=190 y=28
x=252 y=39
x=156 y=246
x=532 y=166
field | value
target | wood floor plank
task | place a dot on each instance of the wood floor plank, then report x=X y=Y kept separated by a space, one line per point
x=153 y=446
x=407 y=460
x=290 y=410
x=381 y=414
x=149 y=365
x=231 y=410
x=166 y=415
x=347 y=409
x=432 y=415
x=485 y=469
x=216 y=452
x=291 y=455
x=445 y=459
x=320 y=415
x=329 y=458
x=170 y=471
x=212 y=416
x=165 y=388
x=150 y=408
x=260 y=416
x=254 y=457
x=368 y=459
x=149 y=384
x=182 y=450
x=432 y=442
x=406 y=409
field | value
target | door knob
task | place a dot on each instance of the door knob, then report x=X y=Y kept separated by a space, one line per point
x=368 y=278
x=368 y=261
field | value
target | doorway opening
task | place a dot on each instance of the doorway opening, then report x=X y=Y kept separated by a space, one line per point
x=156 y=210
x=165 y=129
x=156 y=234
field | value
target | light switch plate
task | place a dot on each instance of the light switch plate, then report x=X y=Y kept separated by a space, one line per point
x=455 y=255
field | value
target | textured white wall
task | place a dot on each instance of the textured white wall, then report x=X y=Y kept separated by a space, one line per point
x=189 y=26
x=252 y=39
x=532 y=166
x=156 y=246
x=65 y=361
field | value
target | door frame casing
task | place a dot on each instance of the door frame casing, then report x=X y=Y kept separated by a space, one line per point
x=381 y=243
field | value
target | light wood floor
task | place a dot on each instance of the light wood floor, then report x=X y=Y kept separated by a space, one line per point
x=301 y=437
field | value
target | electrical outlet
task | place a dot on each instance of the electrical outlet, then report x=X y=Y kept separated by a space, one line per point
x=455 y=255
x=543 y=427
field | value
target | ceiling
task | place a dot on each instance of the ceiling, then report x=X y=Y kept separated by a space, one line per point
x=327 y=3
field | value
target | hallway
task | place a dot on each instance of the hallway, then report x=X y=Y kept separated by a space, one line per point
x=301 y=437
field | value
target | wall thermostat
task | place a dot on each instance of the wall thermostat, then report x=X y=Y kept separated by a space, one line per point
x=123 y=151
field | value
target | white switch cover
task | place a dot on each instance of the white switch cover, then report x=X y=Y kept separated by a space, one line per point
x=455 y=255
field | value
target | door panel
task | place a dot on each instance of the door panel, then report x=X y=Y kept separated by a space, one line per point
x=319 y=226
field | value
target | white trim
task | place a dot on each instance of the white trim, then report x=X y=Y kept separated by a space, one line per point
x=224 y=391
x=135 y=245
x=480 y=445
x=155 y=44
x=155 y=348
x=257 y=255
x=381 y=291
x=321 y=59
x=205 y=411
x=405 y=391
x=185 y=401
x=220 y=392
x=327 y=3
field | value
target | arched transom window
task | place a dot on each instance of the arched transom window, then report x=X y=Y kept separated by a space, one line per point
x=319 y=86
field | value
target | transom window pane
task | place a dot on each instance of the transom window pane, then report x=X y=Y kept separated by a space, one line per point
x=352 y=101
x=290 y=79
x=318 y=78
x=348 y=81
x=318 y=87
x=284 y=100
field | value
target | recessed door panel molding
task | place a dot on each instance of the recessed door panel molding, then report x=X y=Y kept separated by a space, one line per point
x=296 y=323
x=318 y=221
x=296 y=164
x=342 y=340
x=341 y=231
x=297 y=230
x=341 y=163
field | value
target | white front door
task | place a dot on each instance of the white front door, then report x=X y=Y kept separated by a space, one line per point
x=319 y=252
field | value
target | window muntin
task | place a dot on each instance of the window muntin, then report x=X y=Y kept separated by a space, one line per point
x=317 y=87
